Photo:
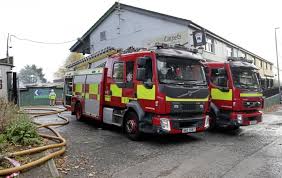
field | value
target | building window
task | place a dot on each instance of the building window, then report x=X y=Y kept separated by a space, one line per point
x=1 y=84
x=103 y=36
x=243 y=55
x=255 y=62
x=118 y=75
x=266 y=65
x=261 y=64
x=229 y=51
x=270 y=67
x=210 y=45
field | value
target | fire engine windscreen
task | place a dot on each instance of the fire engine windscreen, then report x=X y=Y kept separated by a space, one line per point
x=245 y=78
x=180 y=71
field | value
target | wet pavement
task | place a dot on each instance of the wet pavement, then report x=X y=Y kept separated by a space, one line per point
x=253 y=151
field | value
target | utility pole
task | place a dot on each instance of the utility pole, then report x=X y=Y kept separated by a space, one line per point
x=7 y=52
x=279 y=89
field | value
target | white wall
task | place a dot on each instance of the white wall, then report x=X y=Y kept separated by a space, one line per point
x=135 y=30
x=3 y=76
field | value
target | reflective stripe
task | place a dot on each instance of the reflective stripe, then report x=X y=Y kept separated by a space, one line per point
x=78 y=87
x=250 y=94
x=107 y=98
x=86 y=96
x=145 y=93
x=93 y=89
x=186 y=99
x=216 y=94
x=116 y=91
x=124 y=100
x=98 y=97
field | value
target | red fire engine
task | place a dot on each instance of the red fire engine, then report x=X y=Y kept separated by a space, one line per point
x=162 y=90
x=236 y=95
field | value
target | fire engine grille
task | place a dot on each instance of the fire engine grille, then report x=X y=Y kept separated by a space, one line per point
x=188 y=107
x=181 y=107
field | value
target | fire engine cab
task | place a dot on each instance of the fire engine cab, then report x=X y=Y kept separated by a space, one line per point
x=236 y=95
x=162 y=90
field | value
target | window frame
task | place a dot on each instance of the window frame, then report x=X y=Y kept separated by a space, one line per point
x=123 y=70
x=232 y=51
x=103 y=36
x=1 y=84
x=216 y=84
x=212 y=43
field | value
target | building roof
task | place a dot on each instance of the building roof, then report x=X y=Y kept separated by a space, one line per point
x=7 y=62
x=116 y=5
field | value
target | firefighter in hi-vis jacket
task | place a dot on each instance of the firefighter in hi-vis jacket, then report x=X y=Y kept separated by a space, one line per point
x=52 y=97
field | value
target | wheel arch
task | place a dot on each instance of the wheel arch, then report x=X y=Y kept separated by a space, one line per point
x=134 y=106
x=214 y=109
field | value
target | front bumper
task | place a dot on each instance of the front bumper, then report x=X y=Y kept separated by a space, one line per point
x=180 y=125
x=247 y=118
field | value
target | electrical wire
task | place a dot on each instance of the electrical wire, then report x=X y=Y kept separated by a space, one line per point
x=41 y=42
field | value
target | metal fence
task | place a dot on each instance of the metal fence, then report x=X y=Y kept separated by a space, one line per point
x=271 y=92
x=33 y=96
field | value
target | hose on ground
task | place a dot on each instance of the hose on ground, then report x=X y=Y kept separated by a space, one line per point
x=60 y=146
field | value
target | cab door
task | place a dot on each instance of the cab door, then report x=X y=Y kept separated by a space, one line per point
x=145 y=85
x=116 y=84
x=221 y=89
x=128 y=92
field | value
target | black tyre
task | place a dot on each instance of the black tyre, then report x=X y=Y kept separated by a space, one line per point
x=212 y=121
x=131 y=126
x=235 y=128
x=78 y=112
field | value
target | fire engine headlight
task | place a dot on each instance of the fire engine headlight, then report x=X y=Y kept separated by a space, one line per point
x=207 y=121
x=239 y=118
x=165 y=124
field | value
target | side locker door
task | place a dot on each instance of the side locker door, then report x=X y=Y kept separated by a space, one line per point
x=79 y=88
x=92 y=93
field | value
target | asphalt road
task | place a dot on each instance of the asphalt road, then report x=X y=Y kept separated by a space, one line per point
x=253 y=151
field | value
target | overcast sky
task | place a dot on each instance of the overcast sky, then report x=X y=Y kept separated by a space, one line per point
x=249 y=24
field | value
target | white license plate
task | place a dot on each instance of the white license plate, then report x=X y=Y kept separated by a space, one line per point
x=253 y=122
x=189 y=130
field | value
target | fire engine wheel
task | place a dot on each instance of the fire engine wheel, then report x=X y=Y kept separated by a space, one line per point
x=212 y=121
x=131 y=126
x=78 y=112
x=235 y=128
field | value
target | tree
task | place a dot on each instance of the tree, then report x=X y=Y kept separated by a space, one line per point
x=32 y=74
x=70 y=59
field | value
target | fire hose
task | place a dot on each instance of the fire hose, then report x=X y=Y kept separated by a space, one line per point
x=60 y=145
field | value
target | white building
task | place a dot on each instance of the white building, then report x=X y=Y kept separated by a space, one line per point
x=5 y=77
x=123 y=26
